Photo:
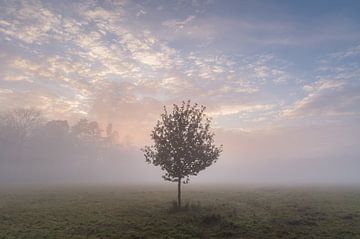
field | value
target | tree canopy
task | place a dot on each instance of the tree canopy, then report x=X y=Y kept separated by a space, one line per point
x=183 y=143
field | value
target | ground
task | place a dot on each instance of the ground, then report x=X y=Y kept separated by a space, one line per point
x=148 y=212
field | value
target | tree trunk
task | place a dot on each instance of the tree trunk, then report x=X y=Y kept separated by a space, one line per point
x=179 y=192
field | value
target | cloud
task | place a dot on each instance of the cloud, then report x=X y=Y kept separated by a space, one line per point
x=265 y=80
x=86 y=50
x=133 y=117
x=223 y=110
x=267 y=69
x=335 y=93
x=33 y=22
x=351 y=52
x=327 y=98
x=178 y=25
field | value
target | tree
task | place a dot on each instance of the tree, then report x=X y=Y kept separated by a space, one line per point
x=17 y=127
x=183 y=144
x=52 y=142
x=88 y=131
x=23 y=121
x=87 y=139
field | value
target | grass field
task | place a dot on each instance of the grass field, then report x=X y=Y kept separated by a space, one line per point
x=147 y=212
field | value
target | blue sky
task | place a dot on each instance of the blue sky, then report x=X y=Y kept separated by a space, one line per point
x=262 y=68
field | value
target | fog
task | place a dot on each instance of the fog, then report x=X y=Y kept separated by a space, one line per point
x=281 y=83
x=34 y=149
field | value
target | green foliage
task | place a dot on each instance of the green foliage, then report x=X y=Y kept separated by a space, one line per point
x=183 y=142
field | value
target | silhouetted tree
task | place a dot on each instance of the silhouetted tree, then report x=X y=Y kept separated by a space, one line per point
x=35 y=146
x=17 y=126
x=88 y=139
x=183 y=144
x=57 y=128
x=52 y=142
x=86 y=130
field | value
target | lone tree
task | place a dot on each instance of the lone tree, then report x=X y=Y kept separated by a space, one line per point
x=183 y=143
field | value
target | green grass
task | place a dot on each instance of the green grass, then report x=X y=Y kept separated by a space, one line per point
x=210 y=212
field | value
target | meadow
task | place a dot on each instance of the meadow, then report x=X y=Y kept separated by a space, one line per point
x=148 y=212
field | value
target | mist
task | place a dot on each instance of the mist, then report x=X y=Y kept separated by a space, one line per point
x=179 y=119
x=51 y=151
x=80 y=95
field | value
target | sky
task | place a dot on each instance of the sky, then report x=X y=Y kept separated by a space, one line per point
x=280 y=79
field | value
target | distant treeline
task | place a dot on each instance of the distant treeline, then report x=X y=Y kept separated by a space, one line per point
x=25 y=135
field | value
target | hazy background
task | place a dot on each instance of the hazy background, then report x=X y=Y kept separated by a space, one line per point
x=281 y=81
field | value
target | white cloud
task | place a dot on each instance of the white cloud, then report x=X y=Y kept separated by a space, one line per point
x=5 y=91
x=178 y=25
x=326 y=98
x=93 y=46
x=350 y=52
x=31 y=23
x=223 y=110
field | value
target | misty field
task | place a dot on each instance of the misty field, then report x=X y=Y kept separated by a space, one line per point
x=148 y=212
